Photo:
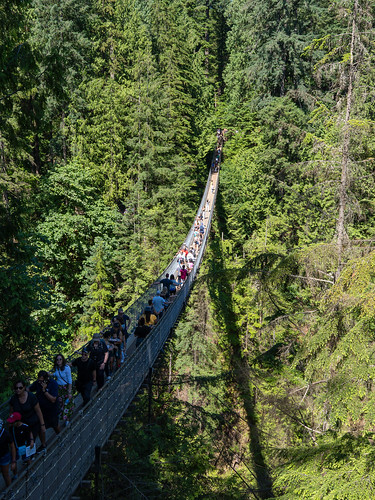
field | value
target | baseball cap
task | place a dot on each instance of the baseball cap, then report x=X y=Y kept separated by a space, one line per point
x=14 y=417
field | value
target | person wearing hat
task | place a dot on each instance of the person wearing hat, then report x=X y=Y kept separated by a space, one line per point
x=86 y=375
x=22 y=437
x=7 y=453
x=99 y=354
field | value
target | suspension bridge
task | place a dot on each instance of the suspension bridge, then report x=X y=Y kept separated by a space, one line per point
x=57 y=474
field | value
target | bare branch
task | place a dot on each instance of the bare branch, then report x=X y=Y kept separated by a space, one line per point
x=309 y=278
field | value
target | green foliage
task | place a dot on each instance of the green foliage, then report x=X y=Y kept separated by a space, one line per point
x=340 y=348
x=107 y=119
x=97 y=289
x=334 y=469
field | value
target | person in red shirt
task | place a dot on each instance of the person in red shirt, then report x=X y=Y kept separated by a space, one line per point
x=183 y=273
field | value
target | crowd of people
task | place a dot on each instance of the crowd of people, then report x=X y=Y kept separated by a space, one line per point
x=49 y=401
x=221 y=138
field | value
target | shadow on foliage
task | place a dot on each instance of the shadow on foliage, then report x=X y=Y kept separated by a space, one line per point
x=220 y=290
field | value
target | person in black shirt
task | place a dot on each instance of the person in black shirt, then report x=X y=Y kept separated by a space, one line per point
x=22 y=437
x=166 y=282
x=47 y=392
x=141 y=331
x=86 y=375
x=27 y=404
x=99 y=354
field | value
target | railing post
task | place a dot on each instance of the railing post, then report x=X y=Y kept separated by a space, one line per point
x=149 y=395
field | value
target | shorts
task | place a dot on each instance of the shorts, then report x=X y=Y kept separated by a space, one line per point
x=51 y=421
x=5 y=459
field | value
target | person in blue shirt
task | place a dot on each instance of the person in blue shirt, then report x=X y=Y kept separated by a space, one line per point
x=159 y=304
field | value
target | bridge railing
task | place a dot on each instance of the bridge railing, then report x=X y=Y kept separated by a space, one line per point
x=57 y=475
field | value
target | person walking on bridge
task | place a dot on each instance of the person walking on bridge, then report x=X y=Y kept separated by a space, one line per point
x=26 y=403
x=159 y=304
x=166 y=282
x=63 y=375
x=124 y=321
x=141 y=331
x=47 y=392
x=99 y=354
x=86 y=375
x=7 y=454
x=183 y=273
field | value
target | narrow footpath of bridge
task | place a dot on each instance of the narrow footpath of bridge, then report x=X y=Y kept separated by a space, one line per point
x=56 y=475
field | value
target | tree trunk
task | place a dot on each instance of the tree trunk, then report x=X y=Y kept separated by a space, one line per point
x=4 y=170
x=63 y=136
x=207 y=39
x=342 y=236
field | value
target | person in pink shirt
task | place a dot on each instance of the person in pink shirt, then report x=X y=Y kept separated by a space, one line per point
x=183 y=273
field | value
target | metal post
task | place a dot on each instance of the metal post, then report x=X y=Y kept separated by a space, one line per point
x=149 y=395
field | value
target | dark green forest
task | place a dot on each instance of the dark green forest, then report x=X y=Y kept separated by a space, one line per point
x=108 y=114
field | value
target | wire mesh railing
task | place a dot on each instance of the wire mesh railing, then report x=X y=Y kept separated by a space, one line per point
x=57 y=475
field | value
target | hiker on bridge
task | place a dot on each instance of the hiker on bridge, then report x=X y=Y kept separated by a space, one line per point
x=47 y=393
x=86 y=375
x=141 y=331
x=166 y=282
x=124 y=321
x=26 y=403
x=174 y=285
x=149 y=317
x=7 y=453
x=183 y=273
x=63 y=375
x=116 y=344
x=99 y=354
x=159 y=303
x=22 y=437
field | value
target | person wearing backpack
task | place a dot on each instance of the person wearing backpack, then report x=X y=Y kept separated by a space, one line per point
x=22 y=438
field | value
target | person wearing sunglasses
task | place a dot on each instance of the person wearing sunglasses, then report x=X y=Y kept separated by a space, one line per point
x=26 y=403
